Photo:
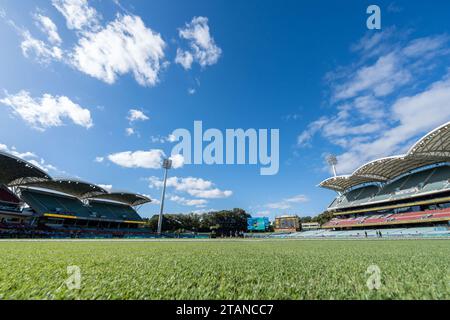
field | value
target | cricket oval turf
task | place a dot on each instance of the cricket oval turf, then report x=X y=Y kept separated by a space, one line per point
x=226 y=269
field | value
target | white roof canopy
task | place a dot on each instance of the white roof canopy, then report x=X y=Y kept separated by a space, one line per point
x=433 y=148
x=342 y=183
x=434 y=144
x=131 y=199
x=74 y=187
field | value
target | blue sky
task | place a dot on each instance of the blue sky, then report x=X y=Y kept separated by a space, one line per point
x=93 y=90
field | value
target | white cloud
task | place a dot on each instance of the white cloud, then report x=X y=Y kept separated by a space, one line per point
x=297 y=199
x=199 y=203
x=384 y=104
x=426 y=46
x=47 y=111
x=78 y=14
x=154 y=200
x=45 y=166
x=413 y=116
x=151 y=159
x=42 y=52
x=203 y=48
x=177 y=161
x=279 y=205
x=23 y=155
x=381 y=78
x=171 y=138
x=129 y=131
x=196 y=187
x=387 y=63
x=125 y=45
x=49 y=28
x=136 y=115
x=211 y=193
x=288 y=202
x=99 y=159
x=374 y=44
x=184 y=58
x=107 y=187
x=157 y=139
x=160 y=139
x=304 y=138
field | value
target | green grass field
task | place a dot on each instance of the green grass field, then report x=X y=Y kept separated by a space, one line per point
x=278 y=269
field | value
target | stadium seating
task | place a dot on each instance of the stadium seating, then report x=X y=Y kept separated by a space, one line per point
x=44 y=203
x=422 y=182
x=8 y=201
x=114 y=211
x=8 y=196
x=422 y=232
x=52 y=203
x=360 y=195
x=438 y=180
x=398 y=218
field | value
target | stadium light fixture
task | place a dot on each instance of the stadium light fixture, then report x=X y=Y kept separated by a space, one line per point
x=167 y=165
x=332 y=161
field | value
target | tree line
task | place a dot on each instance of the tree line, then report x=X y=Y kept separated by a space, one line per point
x=219 y=222
x=322 y=218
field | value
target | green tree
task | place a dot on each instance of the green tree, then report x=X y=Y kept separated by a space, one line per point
x=222 y=222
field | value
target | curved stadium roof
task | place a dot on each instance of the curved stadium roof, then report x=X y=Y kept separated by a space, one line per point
x=433 y=148
x=435 y=144
x=131 y=199
x=73 y=187
x=15 y=171
x=342 y=183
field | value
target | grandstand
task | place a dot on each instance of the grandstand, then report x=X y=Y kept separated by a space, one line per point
x=408 y=232
x=398 y=192
x=32 y=202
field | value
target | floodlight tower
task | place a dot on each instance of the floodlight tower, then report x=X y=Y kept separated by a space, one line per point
x=332 y=161
x=167 y=165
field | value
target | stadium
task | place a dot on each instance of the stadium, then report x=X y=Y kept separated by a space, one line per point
x=411 y=190
x=33 y=204
x=220 y=119
x=399 y=196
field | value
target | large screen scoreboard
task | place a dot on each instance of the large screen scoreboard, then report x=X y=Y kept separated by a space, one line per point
x=287 y=223
x=258 y=224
